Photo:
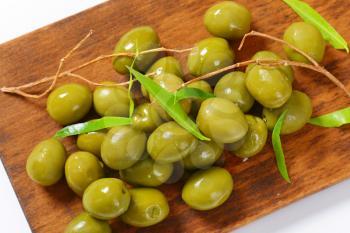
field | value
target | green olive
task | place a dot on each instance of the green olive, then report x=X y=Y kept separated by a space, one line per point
x=45 y=164
x=111 y=100
x=168 y=65
x=307 y=38
x=268 y=55
x=269 y=86
x=84 y=223
x=91 y=142
x=148 y=207
x=201 y=85
x=232 y=87
x=123 y=147
x=204 y=156
x=255 y=139
x=69 y=103
x=147 y=172
x=208 y=189
x=228 y=19
x=209 y=55
x=136 y=40
x=146 y=118
x=221 y=120
x=299 y=111
x=170 y=143
x=81 y=169
x=106 y=198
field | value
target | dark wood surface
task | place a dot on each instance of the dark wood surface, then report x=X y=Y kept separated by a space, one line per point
x=316 y=157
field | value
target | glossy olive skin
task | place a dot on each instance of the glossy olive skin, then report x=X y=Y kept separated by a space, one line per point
x=168 y=65
x=299 y=111
x=209 y=55
x=255 y=139
x=170 y=143
x=148 y=207
x=106 y=198
x=268 y=55
x=69 y=103
x=307 y=38
x=81 y=169
x=147 y=172
x=269 y=86
x=228 y=20
x=84 y=223
x=111 y=100
x=136 y=40
x=232 y=87
x=201 y=85
x=208 y=189
x=146 y=118
x=91 y=142
x=45 y=164
x=221 y=120
x=204 y=156
x=123 y=147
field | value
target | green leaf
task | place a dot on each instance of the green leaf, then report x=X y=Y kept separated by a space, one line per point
x=93 y=125
x=188 y=92
x=131 y=82
x=310 y=15
x=333 y=119
x=277 y=147
x=168 y=103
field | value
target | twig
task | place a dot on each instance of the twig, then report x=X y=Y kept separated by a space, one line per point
x=94 y=83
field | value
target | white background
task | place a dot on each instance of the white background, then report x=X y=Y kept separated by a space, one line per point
x=324 y=212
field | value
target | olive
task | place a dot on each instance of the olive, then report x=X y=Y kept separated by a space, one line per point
x=146 y=118
x=269 y=86
x=69 y=103
x=45 y=164
x=299 y=111
x=170 y=143
x=209 y=55
x=268 y=55
x=136 y=40
x=221 y=120
x=106 y=198
x=111 y=100
x=204 y=156
x=147 y=172
x=232 y=87
x=91 y=142
x=208 y=189
x=307 y=38
x=201 y=85
x=84 y=223
x=228 y=19
x=168 y=65
x=81 y=169
x=123 y=147
x=255 y=139
x=148 y=207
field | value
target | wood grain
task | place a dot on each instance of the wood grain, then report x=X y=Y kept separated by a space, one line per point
x=316 y=157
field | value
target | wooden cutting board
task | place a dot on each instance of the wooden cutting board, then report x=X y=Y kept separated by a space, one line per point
x=316 y=157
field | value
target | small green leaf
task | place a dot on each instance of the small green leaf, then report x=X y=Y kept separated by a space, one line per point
x=93 y=125
x=277 y=147
x=310 y=15
x=168 y=103
x=188 y=92
x=333 y=119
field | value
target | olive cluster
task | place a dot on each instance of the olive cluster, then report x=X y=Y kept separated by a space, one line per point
x=149 y=152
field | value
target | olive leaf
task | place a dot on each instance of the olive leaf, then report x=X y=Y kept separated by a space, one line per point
x=168 y=103
x=277 y=147
x=188 y=92
x=93 y=125
x=131 y=82
x=332 y=120
x=307 y=13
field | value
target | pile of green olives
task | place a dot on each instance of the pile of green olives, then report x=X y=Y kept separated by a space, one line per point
x=154 y=147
